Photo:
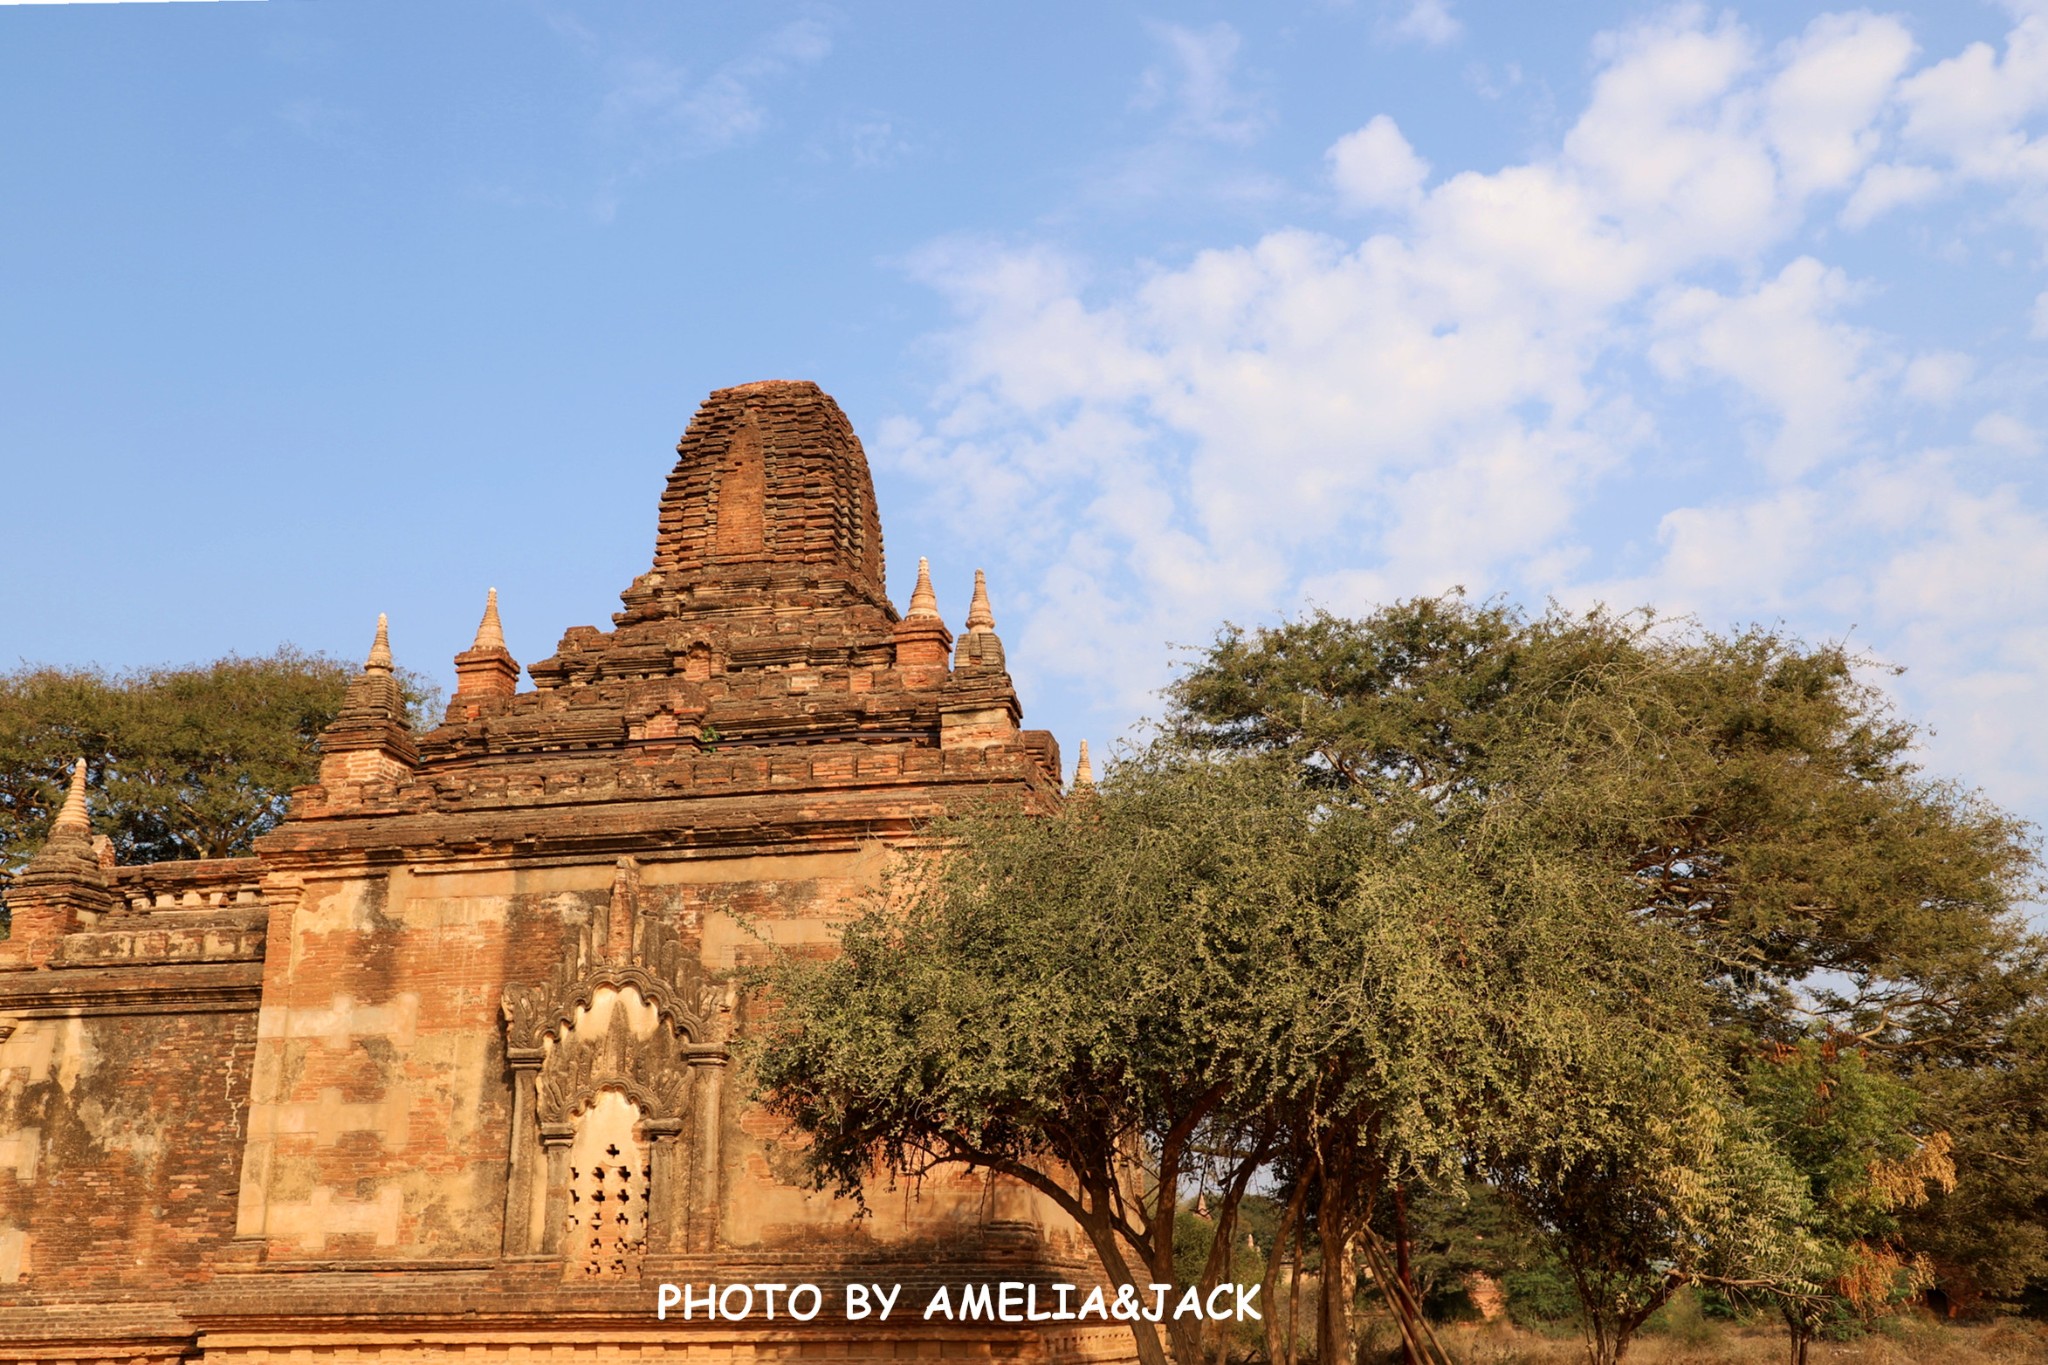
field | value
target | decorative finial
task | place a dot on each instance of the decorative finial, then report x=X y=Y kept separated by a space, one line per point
x=1084 y=775
x=72 y=818
x=980 y=620
x=490 y=634
x=923 y=601
x=380 y=649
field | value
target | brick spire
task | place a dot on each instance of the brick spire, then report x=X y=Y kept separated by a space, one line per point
x=370 y=739
x=1084 y=775
x=380 y=649
x=923 y=601
x=980 y=620
x=65 y=887
x=73 y=819
x=922 y=640
x=770 y=483
x=980 y=648
x=485 y=670
x=490 y=632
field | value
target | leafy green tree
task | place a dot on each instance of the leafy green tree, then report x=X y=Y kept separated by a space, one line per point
x=1585 y=1089
x=1689 y=1190
x=1082 y=1001
x=1396 y=901
x=1503 y=1012
x=184 y=762
x=1207 y=962
x=1849 y=1131
x=1987 y=1238
x=1754 y=793
x=1746 y=794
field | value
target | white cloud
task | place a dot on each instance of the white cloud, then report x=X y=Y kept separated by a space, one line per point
x=656 y=109
x=1889 y=186
x=1375 y=167
x=874 y=141
x=1430 y=22
x=1199 y=84
x=1743 y=554
x=1210 y=112
x=1622 y=368
x=1936 y=377
x=1966 y=121
x=1782 y=347
x=1971 y=107
x=1821 y=108
x=2003 y=431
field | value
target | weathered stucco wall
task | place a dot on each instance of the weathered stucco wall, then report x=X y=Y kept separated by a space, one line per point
x=120 y=1140
x=380 y=1110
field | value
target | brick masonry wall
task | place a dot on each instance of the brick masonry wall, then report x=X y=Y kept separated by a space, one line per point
x=381 y=1104
x=120 y=1143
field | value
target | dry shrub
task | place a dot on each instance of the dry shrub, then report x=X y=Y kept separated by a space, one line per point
x=1917 y=1340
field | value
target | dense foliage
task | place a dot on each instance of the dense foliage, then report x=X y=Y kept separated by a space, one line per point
x=1749 y=792
x=183 y=762
x=1755 y=796
x=1657 y=934
x=1063 y=993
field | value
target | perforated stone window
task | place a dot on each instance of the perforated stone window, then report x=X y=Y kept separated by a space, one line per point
x=609 y=1174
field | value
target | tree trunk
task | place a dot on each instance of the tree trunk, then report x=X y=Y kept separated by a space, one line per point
x=1609 y=1329
x=1337 y=1179
x=1802 y=1334
x=1145 y=1334
x=1289 y=1222
x=1294 y=1299
x=1333 y=1324
x=1603 y=1345
x=1405 y=1272
x=1221 y=1262
x=1627 y=1327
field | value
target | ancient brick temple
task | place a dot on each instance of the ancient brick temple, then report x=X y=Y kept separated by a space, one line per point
x=444 y=1070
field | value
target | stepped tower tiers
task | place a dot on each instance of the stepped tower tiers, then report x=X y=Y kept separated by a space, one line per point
x=760 y=640
x=444 y=1070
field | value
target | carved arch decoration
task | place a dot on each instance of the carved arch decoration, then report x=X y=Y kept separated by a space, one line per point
x=629 y=1016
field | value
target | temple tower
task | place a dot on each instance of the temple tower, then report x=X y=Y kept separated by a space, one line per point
x=447 y=1068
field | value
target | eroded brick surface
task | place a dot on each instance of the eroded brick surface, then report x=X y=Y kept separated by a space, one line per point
x=334 y=1099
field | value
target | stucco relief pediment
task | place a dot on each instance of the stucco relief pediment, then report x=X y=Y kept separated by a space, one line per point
x=627 y=1008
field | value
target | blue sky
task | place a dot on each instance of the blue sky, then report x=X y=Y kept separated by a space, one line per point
x=1161 y=314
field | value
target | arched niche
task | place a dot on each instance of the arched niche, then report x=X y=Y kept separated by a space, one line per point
x=629 y=1023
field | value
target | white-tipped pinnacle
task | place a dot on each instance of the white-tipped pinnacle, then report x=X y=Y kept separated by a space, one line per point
x=924 y=603
x=980 y=620
x=380 y=649
x=73 y=817
x=1084 y=775
x=490 y=634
